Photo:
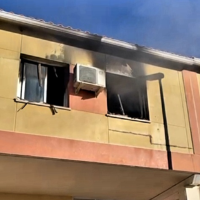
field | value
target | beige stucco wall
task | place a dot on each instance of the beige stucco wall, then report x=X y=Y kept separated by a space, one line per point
x=8 y=77
x=176 y=113
x=66 y=124
x=5 y=196
x=89 y=126
x=59 y=52
x=10 y=44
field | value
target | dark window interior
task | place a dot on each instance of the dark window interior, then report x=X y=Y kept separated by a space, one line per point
x=57 y=80
x=127 y=96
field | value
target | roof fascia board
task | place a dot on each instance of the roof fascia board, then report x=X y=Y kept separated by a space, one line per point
x=109 y=41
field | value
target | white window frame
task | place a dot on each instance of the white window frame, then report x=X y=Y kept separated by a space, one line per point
x=22 y=82
x=45 y=86
x=19 y=83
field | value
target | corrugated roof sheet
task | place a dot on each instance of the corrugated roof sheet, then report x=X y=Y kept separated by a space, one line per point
x=50 y=23
x=92 y=34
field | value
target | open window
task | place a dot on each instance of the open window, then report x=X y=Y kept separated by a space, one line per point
x=43 y=83
x=127 y=96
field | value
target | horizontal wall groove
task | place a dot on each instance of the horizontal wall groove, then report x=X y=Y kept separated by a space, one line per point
x=10 y=50
x=150 y=138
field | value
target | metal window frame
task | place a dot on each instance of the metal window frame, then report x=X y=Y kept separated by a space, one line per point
x=45 y=85
x=19 y=82
x=22 y=82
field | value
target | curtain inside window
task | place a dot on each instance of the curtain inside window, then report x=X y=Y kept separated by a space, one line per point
x=34 y=84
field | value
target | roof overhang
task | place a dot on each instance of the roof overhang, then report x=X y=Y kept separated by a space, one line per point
x=56 y=29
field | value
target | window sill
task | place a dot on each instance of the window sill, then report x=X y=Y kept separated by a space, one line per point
x=41 y=104
x=127 y=118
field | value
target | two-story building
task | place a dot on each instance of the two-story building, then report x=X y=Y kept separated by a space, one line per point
x=83 y=116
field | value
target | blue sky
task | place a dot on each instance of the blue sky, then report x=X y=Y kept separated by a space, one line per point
x=169 y=25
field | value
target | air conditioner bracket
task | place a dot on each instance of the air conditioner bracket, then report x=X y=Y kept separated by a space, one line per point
x=77 y=89
x=98 y=91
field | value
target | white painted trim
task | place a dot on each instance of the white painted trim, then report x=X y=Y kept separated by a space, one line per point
x=19 y=83
x=23 y=83
x=128 y=118
x=41 y=104
x=45 y=85
x=196 y=180
x=193 y=193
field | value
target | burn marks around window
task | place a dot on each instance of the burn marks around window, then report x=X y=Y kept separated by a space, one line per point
x=43 y=83
x=74 y=55
x=126 y=91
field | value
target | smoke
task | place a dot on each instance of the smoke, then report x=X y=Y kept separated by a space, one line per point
x=126 y=95
x=124 y=67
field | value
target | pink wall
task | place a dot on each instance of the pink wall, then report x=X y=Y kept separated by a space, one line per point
x=85 y=100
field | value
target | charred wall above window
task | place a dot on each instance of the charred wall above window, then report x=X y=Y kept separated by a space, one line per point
x=95 y=44
x=126 y=92
x=127 y=96
x=44 y=83
x=125 y=67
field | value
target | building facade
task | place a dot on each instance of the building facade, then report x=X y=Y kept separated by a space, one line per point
x=138 y=138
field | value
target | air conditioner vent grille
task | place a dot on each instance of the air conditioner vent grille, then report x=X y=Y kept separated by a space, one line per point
x=88 y=75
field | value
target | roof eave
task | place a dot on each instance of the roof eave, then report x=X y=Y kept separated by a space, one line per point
x=17 y=19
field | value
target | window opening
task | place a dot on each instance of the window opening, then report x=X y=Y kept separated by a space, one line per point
x=43 y=83
x=56 y=86
x=127 y=96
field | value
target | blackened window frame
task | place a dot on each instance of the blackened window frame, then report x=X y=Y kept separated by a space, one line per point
x=120 y=87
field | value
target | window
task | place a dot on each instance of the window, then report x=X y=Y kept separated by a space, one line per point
x=43 y=83
x=127 y=96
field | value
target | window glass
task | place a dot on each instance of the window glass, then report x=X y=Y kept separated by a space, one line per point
x=34 y=82
x=44 y=83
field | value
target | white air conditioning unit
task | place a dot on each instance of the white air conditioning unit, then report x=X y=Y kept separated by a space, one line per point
x=89 y=78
